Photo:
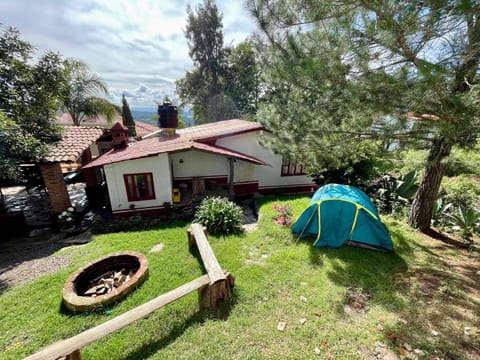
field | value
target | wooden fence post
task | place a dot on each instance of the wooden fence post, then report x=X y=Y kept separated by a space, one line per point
x=221 y=283
x=212 y=295
x=74 y=355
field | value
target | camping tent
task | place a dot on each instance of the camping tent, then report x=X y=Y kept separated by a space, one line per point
x=341 y=213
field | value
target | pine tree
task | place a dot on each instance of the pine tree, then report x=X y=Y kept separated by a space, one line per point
x=334 y=67
x=127 y=118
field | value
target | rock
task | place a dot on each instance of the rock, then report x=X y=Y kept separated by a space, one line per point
x=281 y=326
x=419 y=352
x=407 y=347
x=157 y=248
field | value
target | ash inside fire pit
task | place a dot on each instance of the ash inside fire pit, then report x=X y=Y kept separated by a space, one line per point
x=105 y=281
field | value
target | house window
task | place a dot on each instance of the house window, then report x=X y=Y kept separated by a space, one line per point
x=290 y=168
x=139 y=186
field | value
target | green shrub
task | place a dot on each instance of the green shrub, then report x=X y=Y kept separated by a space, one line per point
x=461 y=190
x=463 y=161
x=219 y=215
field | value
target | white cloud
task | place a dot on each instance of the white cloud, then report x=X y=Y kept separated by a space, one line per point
x=129 y=43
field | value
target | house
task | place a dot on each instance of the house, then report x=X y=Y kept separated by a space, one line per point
x=225 y=155
x=76 y=148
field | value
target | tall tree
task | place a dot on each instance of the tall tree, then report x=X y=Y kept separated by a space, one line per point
x=242 y=82
x=127 y=118
x=205 y=41
x=82 y=93
x=410 y=62
x=29 y=97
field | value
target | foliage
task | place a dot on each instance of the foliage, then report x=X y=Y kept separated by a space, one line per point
x=222 y=84
x=282 y=214
x=127 y=118
x=132 y=223
x=468 y=220
x=67 y=217
x=82 y=93
x=205 y=41
x=242 y=79
x=463 y=161
x=337 y=78
x=441 y=212
x=29 y=97
x=219 y=215
x=461 y=190
x=15 y=147
x=396 y=192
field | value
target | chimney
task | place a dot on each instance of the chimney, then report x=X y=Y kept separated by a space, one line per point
x=119 y=136
x=168 y=118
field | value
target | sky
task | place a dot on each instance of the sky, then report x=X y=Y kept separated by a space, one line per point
x=136 y=46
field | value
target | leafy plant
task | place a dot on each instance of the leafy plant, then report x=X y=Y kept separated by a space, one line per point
x=67 y=217
x=396 y=192
x=468 y=220
x=440 y=212
x=461 y=190
x=219 y=215
x=282 y=214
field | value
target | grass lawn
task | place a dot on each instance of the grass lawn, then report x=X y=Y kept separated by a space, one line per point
x=422 y=300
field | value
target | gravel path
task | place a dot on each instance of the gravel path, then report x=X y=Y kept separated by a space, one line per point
x=25 y=259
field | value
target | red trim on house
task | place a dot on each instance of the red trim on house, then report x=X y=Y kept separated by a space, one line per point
x=133 y=189
x=288 y=189
x=147 y=211
x=245 y=187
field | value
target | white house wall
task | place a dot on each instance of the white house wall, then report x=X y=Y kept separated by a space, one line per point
x=267 y=176
x=198 y=163
x=157 y=165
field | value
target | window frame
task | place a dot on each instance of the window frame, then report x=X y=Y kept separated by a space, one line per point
x=148 y=181
x=291 y=168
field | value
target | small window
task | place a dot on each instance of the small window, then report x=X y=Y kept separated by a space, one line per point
x=290 y=168
x=139 y=186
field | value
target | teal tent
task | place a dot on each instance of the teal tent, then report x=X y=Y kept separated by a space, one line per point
x=341 y=213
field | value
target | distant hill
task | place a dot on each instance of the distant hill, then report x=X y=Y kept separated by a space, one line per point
x=145 y=113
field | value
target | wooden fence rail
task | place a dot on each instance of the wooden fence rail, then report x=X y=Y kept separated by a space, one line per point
x=213 y=288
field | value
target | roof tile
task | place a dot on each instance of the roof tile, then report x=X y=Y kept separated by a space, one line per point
x=75 y=140
x=184 y=139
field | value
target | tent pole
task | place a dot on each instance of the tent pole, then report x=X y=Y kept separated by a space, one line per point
x=308 y=222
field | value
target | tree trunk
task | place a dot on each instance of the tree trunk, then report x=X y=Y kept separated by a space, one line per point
x=420 y=214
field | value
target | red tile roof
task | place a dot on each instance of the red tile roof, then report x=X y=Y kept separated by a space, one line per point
x=75 y=140
x=185 y=139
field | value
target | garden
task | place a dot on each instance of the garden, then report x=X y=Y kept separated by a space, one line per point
x=291 y=300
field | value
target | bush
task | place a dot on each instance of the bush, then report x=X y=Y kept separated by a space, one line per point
x=219 y=215
x=463 y=161
x=461 y=190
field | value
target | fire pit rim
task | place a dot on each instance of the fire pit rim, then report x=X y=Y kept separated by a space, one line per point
x=76 y=303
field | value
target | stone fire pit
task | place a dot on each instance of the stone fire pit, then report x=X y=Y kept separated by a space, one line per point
x=105 y=281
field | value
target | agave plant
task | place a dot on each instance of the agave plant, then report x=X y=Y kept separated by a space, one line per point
x=468 y=220
x=440 y=212
x=394 y=191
